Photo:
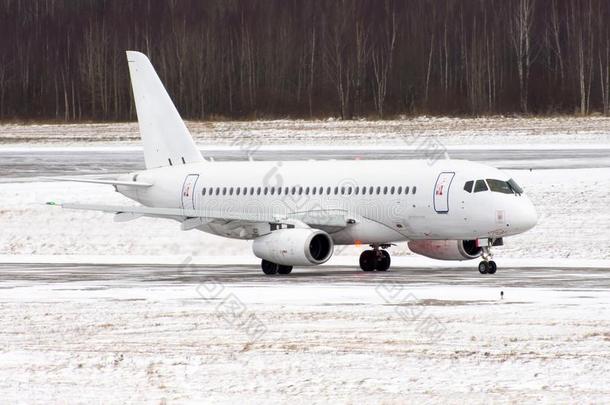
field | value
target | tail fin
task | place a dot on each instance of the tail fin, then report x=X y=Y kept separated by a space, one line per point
x=166 y=139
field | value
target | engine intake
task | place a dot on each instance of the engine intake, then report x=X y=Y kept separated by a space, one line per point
x=294 y=247
x=446 y=249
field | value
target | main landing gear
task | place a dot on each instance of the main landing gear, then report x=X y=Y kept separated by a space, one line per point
x=375 y=259
x=270 y=268
x=487 y=266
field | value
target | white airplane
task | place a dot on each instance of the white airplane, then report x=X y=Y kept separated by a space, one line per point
x=296 y=212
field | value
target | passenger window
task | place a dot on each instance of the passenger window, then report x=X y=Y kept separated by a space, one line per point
x=328 y=190
x=349 y=190
x=406 y=189
x=363 y=190
x=480 y=186
x=378 y=190
x=258 y=191
x=300 y=190
x=399 y=191
x=392 y=190
x=468 y=186
x=245 y=191
x=203 y=191
x=224 y=191
x=414 y=189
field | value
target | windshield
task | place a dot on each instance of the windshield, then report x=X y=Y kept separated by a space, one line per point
x=499 y=186
x=505 y=187
x=516 y=188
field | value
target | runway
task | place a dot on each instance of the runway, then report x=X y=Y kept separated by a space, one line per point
x=560 y=278
x=39 y=162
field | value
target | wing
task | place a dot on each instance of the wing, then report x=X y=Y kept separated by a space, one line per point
x=329 y=220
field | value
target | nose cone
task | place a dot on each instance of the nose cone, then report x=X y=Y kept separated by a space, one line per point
x=526 y=217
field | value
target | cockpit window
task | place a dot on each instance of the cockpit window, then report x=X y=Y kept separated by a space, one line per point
x=468 y=186
x=516 y=188
x=480 y=186
x=499 y=186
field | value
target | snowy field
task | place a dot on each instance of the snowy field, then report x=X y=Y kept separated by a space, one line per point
x=114 y=334
x=495 y=131
x=426 y=332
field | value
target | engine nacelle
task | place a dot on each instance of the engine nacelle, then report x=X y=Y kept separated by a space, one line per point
x=294 y=247
x=446 y=249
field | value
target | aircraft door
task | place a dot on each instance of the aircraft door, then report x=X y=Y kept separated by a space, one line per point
x=441 y=192
x=188 y=191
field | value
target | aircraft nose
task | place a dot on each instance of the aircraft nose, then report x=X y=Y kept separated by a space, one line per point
x=527 y=217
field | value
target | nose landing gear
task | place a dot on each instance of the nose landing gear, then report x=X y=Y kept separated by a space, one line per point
x=487 y=266
x=375 y=259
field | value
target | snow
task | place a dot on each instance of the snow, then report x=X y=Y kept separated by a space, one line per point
x=403 y=132
x=141 y=325
x=156 y=341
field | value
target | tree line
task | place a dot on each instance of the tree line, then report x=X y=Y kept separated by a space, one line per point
x=65 y=60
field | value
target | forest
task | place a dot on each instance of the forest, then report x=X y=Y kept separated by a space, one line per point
x=247 y=59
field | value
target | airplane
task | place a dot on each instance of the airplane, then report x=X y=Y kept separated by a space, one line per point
x=296 y=212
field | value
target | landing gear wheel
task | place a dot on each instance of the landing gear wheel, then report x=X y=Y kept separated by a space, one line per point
x=492 y=267
x=368 y=260
x=383 y=261
x=284 y=269
x=483 y=267
x=269 y=268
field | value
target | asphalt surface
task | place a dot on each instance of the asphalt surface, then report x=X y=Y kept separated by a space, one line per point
x=113 y=275
x=28 y=165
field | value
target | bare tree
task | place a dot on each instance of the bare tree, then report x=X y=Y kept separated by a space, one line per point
x=383 y=54
x=521 y=36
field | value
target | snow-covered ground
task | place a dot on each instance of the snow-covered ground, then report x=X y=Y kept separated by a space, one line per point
x=424 y=333
x=572 y=204
x=166 y=335
x=253 y=134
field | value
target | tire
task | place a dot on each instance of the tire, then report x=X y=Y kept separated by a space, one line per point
x=383 y=261
x=269 y=268
x=367 y=260
x=284 y=269
x=492 y=267
x=483 y=267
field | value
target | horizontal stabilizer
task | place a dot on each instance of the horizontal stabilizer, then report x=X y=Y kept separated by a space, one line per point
x=101 y=181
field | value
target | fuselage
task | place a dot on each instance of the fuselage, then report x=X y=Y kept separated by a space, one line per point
x=386 y=200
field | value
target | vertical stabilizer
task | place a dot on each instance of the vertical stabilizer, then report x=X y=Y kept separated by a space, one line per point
x=166 y=139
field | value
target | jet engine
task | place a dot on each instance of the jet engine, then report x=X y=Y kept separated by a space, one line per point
x=446 y=249
x=294 y=247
